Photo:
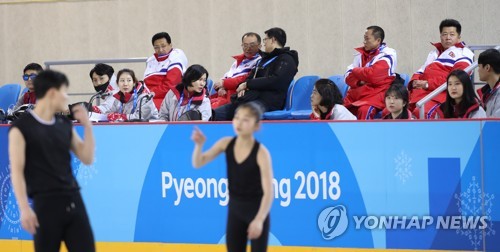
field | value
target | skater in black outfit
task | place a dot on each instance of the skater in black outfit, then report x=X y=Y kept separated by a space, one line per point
x=39 y=152
x=250 y=177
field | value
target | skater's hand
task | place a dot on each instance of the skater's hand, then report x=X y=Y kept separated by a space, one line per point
x=29 y=221
x=80 y=113
x=255 y=229
x=198 y=136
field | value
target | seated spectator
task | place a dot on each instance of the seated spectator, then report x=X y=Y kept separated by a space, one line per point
x=396 y=102
x=29 y=74
x=127 y=104
x=239 y=71
x=326 y=102
x=189 y=95
x=165 y=68
x=269 y=80
x=450 y=54
x=103 y=80
x=370 y=75
x=461 y=100
x=489 y=71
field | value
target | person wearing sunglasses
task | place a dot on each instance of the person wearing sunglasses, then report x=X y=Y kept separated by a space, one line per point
x=29 y=74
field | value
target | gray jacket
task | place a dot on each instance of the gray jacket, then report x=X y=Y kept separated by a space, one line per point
x=169 y=109
x=148 y=109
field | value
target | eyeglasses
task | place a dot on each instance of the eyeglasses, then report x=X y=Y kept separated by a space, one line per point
x=26 y=77
x=251 y=45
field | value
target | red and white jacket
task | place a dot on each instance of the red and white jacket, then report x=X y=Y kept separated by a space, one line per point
x=377 y=69
x=436 y=68
x=338 y=112
x=164 y=73
x=237 y=74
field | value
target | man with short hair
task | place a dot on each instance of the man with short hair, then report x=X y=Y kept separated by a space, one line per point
x=39 y=152
x=104 y=81
x=489 y=71
x=165 y=68
x=370 y=75
x=450 y=54
x=268 y=81
x=239 y=71
x=29 y=74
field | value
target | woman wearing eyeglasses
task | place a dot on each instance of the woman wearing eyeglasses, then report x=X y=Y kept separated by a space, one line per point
x=29 y=74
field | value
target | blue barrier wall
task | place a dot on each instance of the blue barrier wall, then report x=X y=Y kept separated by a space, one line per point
x=411 y=185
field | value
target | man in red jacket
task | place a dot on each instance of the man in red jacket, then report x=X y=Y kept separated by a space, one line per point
x=370 y=75
x=238 y=73
x=450 y=54
x=165 y=68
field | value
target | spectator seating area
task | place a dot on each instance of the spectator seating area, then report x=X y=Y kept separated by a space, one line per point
x=297 y=106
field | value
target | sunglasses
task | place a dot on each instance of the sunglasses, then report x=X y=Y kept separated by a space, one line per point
x=27 y=77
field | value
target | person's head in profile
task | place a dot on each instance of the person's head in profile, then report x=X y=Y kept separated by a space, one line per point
x=195 y=80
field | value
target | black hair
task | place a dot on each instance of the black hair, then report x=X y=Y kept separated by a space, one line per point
x=193 y=73
x=450 y=23
x=399 y=90
x=129 y=71
x=469 y=97
x=49 y=79
x=102 y=69
x=255 y=109
x=278 y=34
x=249 y=34
x=161 y=35
x=330 y=93
x=34 y=67
x=378 y=32
x=490 y=57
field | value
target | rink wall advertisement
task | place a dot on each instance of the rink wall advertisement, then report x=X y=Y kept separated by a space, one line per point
x=383 y=185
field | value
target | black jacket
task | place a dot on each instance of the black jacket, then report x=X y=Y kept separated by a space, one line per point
x=270 y=79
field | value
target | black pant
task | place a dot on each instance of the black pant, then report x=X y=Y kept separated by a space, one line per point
x=62 y=217
x=239 y=216
x=225 y=112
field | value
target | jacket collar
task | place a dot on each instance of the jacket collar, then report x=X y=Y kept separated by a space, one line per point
x=160 y=58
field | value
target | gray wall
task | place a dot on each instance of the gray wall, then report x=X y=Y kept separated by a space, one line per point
x=324 y=32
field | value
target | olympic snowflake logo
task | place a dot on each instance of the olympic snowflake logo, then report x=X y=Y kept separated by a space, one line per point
x=470 y=203
x=84 y=173
x=403 y=167
x=8 y=205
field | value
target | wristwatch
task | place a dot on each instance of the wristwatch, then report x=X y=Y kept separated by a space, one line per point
x=426 y=85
